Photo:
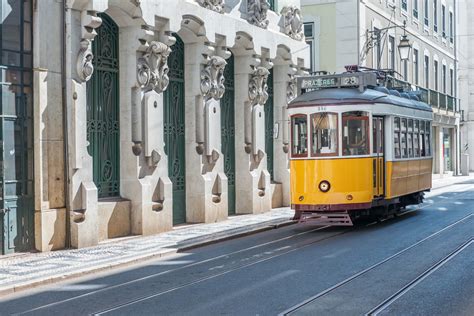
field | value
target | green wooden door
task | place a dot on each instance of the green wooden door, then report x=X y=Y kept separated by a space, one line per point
x=103 y=128
x=228 y=132
x=269 y=123
x=174 y=130
x=16 y=129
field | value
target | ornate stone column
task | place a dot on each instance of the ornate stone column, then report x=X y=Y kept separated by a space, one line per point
x=83 y=212
x=145 y=171
x=284 y=92
x=253 y=194
x=206 y=182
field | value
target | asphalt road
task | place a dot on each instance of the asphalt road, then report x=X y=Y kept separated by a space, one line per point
x=421 y=263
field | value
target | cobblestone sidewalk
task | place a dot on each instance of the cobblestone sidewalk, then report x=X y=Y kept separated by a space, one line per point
x=29 y=270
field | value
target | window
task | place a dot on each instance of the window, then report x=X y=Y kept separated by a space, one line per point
x=396 y=136
x=377 y=48
x=410 y=138
x=404 y=5
x=451 y=81
x=416 y=140
x=451 y=27
x=309 y=37
x=443 y=20
x=435 y=63
x=422 y=138
x=355 y=138
x=391 y=52
x=415 y=67
x=435 y=15
x=427 y=23
x=299 y=135
x=403 y=130
x=415 y=9
x=444 y=78
x=324 y=134
x=427 y=72
x=428 y=139
x=272 y=5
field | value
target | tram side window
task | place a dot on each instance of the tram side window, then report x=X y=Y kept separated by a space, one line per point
x=300 y=136
x=404 y=138
x=410 y=138
x=324 y=134
x=355 y=138
x=428 y=139
x=396 y=136
x=416 y=143
x=422 y=138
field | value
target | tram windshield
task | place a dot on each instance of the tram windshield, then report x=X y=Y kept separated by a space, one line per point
x=324 y=134
x=355 y=138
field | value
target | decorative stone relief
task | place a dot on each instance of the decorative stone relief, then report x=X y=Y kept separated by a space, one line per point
x=257 y=12
x=292 y=22
x=89 y=22
x=258 y=89
x=212 y=78
x=291 y=89
x=214 y=5
x=152 y=67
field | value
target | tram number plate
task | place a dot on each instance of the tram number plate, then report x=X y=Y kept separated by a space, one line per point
x=350 y=81
x=321 y=109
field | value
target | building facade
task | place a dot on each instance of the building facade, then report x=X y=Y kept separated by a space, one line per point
x=466 y=81
x=368 y=32
x=125 y=117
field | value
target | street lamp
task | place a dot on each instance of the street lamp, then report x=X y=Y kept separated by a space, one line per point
x=375 y=38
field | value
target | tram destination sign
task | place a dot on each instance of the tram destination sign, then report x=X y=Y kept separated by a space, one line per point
x=329 y=82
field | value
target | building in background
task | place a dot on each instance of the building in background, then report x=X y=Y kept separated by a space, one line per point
x=368 y=32
x=465 y=54
x=130 y=117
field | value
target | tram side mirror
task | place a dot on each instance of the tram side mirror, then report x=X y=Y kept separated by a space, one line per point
x=276 y=130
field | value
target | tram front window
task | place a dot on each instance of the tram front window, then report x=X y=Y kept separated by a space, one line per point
x=355 y=138
x=299 y=134
x=324 y=134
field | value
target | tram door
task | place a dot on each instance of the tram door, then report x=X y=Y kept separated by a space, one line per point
x=378 y=156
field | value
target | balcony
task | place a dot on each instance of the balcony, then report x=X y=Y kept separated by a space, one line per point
x=438 y=100
x=451 y=103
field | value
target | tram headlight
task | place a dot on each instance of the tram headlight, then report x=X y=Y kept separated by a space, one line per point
x=324 y=186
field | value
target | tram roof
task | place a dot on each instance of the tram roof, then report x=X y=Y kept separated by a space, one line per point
x=341 y=96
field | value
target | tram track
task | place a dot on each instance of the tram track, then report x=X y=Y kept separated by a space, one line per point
x=187 y=266
x=215 y=275
x=311 y=299
x=389 y=301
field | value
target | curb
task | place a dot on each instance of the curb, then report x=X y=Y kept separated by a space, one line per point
x=124 y=262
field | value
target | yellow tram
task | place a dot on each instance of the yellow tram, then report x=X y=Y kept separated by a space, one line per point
x=357 y=148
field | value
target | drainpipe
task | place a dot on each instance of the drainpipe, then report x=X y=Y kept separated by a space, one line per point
x=65 y=121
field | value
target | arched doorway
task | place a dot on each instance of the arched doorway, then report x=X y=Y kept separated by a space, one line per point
x=174 y=130
x=228 y=132
x=103 y=128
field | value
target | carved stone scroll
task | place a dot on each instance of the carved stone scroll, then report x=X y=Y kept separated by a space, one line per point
x=152 y=67
x=212 y=78
x=258 y=89
x=89 y=22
